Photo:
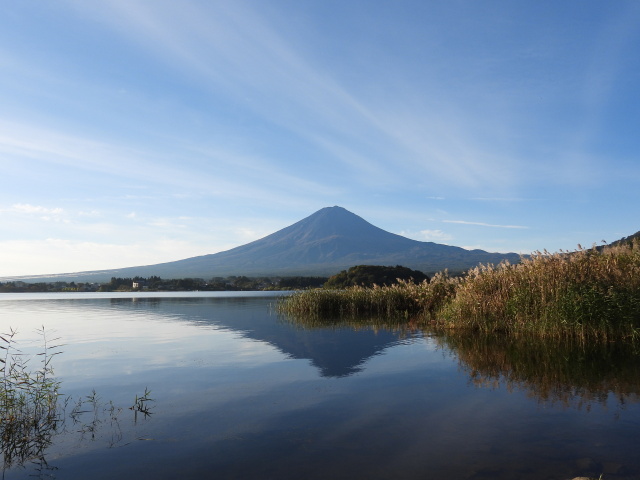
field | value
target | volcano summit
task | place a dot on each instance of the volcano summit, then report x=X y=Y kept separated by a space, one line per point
x=328 y=241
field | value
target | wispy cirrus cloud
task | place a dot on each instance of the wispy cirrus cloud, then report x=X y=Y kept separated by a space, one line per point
x=482 y=224
x=222 y=172
x=256 y=113
x=29 y=209
x=428 y=235
x=240 y=51
x=500 y=199
x=26 y=210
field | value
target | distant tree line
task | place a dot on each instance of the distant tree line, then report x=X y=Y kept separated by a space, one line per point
x=39 y=287
x=231 y=283
x=155 y=283
x=362 y=275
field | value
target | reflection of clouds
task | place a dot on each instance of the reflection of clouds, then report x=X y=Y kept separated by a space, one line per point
x=138 y=347
x=225 y=400
x=103 y=339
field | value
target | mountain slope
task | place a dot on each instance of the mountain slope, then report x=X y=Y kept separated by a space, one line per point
x=626 y=240
x=330 y=240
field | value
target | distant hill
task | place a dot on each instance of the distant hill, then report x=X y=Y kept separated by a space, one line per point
x=623 y=241
x=626 y=240
x=323 y=244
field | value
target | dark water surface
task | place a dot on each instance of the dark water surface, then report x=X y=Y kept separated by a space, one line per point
x=241 y=393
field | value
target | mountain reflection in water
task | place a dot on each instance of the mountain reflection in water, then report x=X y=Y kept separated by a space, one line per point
x=241 y=392
x=567 y=372
x=337 y=350
x=571 y=373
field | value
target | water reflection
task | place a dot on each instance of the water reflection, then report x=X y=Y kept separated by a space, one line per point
x=26 y=434
x=565 y=372
x=372 y=400
x=337 y=350
x=22 y=440
x=569 y=373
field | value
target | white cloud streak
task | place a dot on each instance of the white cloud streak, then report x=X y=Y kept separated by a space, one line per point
x=25 y=208
x=437 y=236
x=243 y=178
x=28 y=211
x=482 y=224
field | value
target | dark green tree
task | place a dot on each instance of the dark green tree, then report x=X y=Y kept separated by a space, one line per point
x=368 y=275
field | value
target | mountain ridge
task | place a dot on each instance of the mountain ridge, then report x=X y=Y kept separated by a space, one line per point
x=324 y=243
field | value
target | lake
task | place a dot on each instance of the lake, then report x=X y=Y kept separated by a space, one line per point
x=242 y=393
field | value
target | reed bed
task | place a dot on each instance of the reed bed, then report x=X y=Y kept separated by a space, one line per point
x=28 y=401
x=33 y=411
x=590 y=293
x=403 y=299
x=586 y=294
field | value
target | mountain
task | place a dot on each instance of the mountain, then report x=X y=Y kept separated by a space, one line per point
x=326 y=242
x=626 y=240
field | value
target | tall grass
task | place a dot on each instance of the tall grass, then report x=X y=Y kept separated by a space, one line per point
x=33 y=411
x=404 y=298
x=28 y=400
x=586 y=294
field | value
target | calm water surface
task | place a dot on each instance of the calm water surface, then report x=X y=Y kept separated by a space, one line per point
x=241 y=393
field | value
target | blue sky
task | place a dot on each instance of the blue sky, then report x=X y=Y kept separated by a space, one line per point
x=135 y=131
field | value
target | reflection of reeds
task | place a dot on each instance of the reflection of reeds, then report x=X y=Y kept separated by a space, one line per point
x=28 y=401
x=33 y=411
x=566 y=371
x=142 y=404
x=400 y=325
x=585 y=294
